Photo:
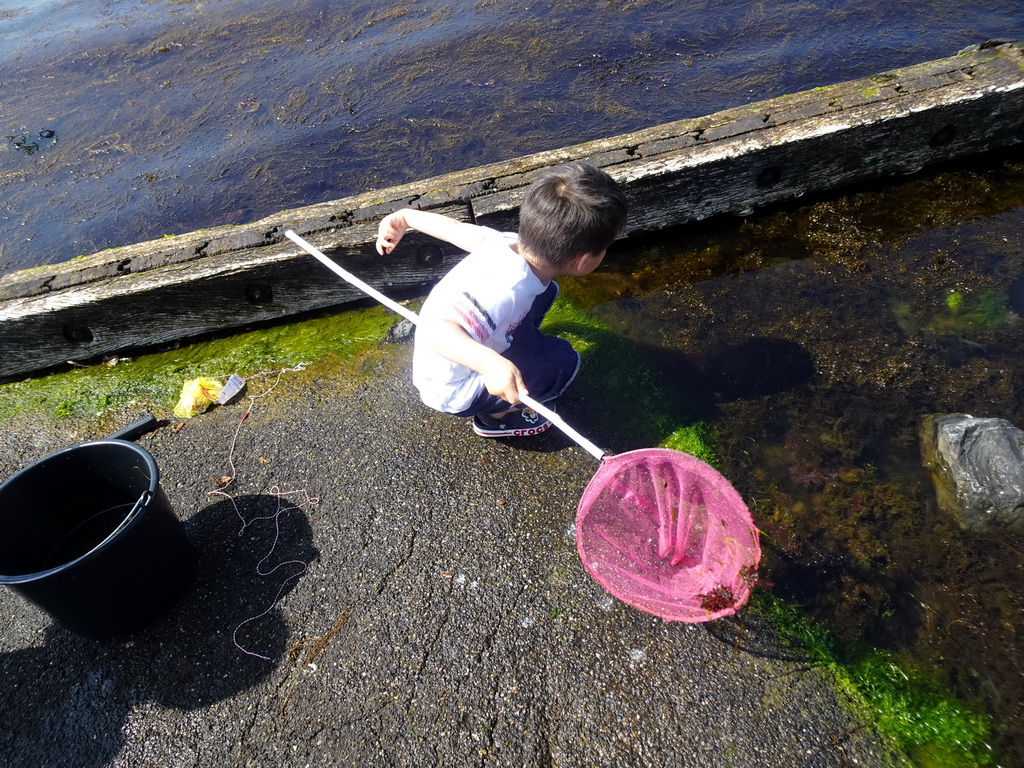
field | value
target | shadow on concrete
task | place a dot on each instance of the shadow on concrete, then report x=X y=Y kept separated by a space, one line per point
x=747 y=633
x=75 y=696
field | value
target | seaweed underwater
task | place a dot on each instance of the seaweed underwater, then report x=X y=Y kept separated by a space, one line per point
x=809 y=341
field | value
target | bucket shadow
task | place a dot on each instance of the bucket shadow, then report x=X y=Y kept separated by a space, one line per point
x=71 y=699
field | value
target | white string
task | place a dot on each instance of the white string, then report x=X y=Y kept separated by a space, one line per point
x=280 y=495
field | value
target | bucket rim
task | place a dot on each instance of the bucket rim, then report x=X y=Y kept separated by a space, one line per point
x=128 y=522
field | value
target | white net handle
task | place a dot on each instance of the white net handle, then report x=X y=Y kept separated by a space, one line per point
x=411 y=316
x=559 y=422
x=352 y=279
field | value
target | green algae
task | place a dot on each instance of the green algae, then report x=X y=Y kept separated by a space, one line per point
x=988 y=311
x=909 y=709
x=911 y=712
x=627 y=385
x=967 y=311
x=695 y=439
x=921 y=325
x=155 y=380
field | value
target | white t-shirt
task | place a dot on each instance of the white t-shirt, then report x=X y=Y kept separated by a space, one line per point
x=488 y=293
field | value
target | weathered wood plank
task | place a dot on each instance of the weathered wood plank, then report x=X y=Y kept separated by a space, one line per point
x=732 y=161
x=186 y=298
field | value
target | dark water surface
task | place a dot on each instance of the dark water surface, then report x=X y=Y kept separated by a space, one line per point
x=125 y=121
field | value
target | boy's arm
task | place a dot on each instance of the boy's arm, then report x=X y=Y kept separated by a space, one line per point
x=446 y=337
x=501 y=377
x=463 y=236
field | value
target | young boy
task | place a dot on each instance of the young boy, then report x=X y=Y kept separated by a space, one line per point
x=478 y=344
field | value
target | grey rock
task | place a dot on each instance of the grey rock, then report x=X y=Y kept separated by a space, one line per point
x=402 y=332
x=977 y=467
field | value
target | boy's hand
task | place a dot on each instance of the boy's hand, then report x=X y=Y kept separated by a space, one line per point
x=390 y=231
x=464 y=236
x=449 y=339
x=503 y=379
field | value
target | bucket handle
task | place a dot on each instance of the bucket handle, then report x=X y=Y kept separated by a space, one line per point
x=136 y=429
x=144 y=499
x=139 y=505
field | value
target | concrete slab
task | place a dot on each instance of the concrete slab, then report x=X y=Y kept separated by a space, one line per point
x=418 y=598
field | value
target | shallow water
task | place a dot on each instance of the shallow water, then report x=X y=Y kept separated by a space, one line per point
x=815 y=338
x=165 y=116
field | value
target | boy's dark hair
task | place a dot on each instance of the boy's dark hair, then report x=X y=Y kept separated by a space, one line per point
x=571 y=210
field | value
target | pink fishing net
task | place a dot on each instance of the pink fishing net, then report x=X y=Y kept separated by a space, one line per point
x=666 y=533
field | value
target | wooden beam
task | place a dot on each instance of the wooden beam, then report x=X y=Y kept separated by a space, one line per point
x=732 y=161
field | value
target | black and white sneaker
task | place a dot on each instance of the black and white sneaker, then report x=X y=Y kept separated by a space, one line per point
x=521 y=423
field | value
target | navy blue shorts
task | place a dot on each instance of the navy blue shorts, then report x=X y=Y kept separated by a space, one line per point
x=548 y=364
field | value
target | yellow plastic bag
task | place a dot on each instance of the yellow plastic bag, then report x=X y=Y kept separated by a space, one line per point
x=196 y=396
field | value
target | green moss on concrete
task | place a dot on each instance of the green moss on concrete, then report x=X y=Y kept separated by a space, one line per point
x=642 y=404
x=928 y=725
x=155 y=380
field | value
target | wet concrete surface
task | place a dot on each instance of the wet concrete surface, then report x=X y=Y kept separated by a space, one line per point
x=421 y=604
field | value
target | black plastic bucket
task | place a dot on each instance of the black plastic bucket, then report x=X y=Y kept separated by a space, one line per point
x=88 y=535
